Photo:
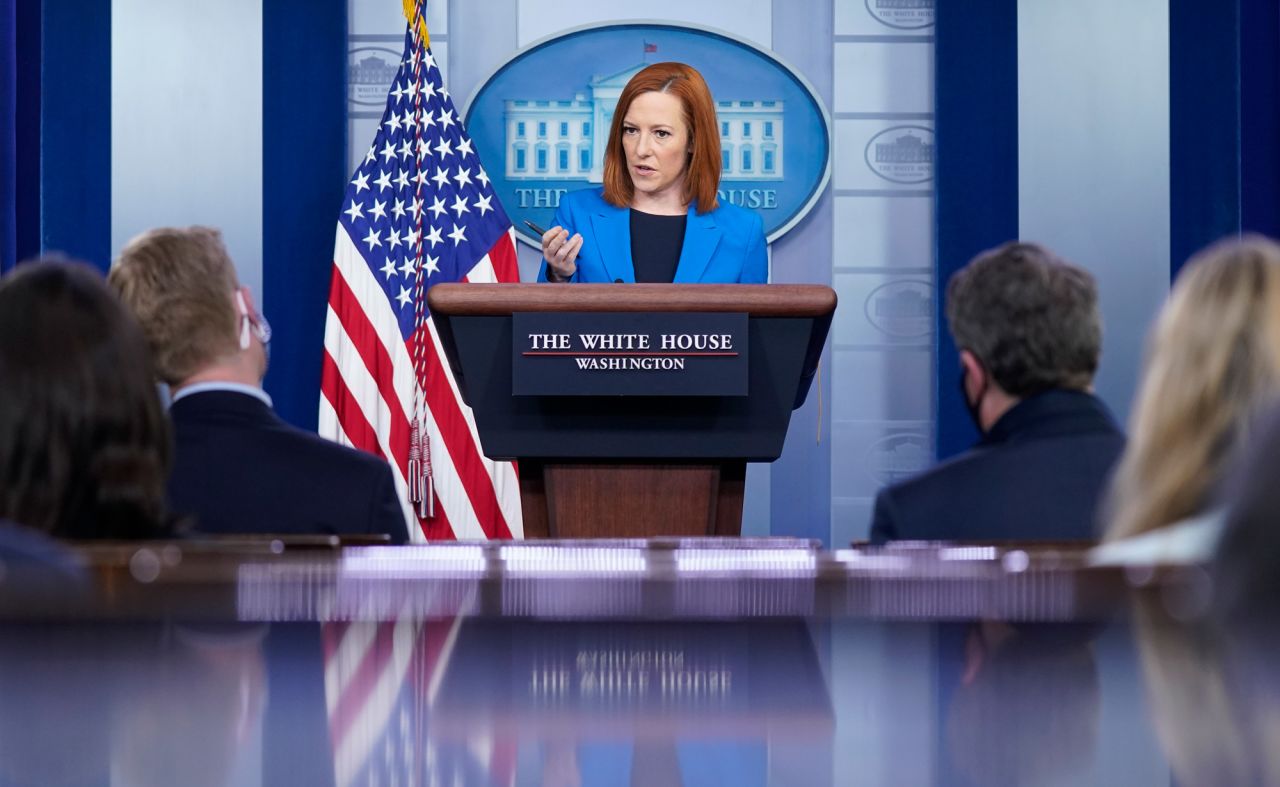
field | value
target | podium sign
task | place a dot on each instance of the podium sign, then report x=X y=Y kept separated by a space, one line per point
x=629 y=354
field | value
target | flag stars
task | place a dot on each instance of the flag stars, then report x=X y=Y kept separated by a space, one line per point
x=463 y=177
x=407 y=120
x=412 y=91
x=411 y=238
x=409 y=268
x=464 y=148
x=459 y=206
x=398 y=93
x=434 y=236
x=362 y=179
x=406 y=148
x=383 y=181
x=423 y=147
x=433 y=265
x=372 y=239
x=446 y=118
x=402 y=182
x=420 y=178
x=416 y=208
x=393 y=123
x=445 y=148
x=390 y=268
x=388 y=151
x=483 y=177
x=393 y=238
x=397 y=209
x=459 y=234
x=356 y=211
x=482 y=204
x=405 y=297
x=437 y=206
x=372 y=155
x=441 y=178
x=379 y=210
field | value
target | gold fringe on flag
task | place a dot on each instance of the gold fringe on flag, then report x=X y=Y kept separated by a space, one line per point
x=422 y=23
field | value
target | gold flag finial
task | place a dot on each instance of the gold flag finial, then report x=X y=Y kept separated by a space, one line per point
x=410 y=11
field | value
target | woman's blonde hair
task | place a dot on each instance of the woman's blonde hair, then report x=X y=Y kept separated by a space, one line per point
x=1213 y=363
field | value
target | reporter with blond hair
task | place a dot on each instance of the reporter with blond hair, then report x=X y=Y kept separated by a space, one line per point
x=238 y=467
x=1212 y=366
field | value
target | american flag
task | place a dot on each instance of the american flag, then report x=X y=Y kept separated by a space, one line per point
x=419 y=210
x=381 y=680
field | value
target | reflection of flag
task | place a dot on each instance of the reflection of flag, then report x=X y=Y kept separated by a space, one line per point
x=650 y=47
x=380 y=683
x=419 y=211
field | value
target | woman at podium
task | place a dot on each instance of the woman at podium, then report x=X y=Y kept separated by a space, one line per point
x=657 y=218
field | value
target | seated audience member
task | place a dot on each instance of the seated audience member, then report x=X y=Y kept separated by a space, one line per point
x=1029 y=334
x=1213 y=363
x=239 y=468
x=1024 y=707
x=84 y=445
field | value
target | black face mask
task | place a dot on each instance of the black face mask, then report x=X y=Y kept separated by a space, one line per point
x=971 y=407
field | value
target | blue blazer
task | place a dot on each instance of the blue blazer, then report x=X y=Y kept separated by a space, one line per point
x=723 y=246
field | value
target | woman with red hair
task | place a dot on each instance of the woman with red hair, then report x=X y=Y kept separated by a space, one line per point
x=657 y=218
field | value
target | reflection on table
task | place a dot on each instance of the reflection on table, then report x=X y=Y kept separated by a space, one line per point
x=690 y=662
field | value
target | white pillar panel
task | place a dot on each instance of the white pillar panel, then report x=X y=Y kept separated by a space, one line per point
x=884 y=77
x=186 y=122
x=1093 y=159
x=749 y=19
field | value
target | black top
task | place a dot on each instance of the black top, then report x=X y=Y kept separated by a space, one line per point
x=1037 y=474
x=655 y=246
x=238 y=468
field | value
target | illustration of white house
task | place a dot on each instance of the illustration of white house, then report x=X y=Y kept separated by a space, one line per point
x=564 y=140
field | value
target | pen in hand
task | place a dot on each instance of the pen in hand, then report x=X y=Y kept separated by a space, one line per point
x=536 y=229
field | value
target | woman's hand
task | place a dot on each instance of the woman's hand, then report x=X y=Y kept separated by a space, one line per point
x=560 y=252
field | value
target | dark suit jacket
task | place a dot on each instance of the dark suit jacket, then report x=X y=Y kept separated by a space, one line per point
x=1037 y=475
x=722 y=246
x=238 y=468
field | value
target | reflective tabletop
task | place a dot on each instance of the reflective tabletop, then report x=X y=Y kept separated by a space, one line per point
x=669 y=662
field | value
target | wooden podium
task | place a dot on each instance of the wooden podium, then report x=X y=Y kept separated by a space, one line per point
x=633 y=466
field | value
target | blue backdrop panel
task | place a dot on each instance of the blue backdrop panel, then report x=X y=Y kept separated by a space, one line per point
x=1204 y=131
x=75 y=129
x=976 y=168
x=303 y=175
x=26 y=131
x=1260 y=116
x=8 y=129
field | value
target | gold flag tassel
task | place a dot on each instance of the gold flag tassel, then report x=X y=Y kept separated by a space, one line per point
x=411 y=12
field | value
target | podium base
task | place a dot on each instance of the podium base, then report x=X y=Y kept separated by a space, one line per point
x=631 y=499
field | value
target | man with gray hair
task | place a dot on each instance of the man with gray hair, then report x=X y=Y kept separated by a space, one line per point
x=1029 y=334
x=239 y=468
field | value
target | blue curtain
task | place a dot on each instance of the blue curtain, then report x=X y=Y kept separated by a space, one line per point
x=8 y=140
